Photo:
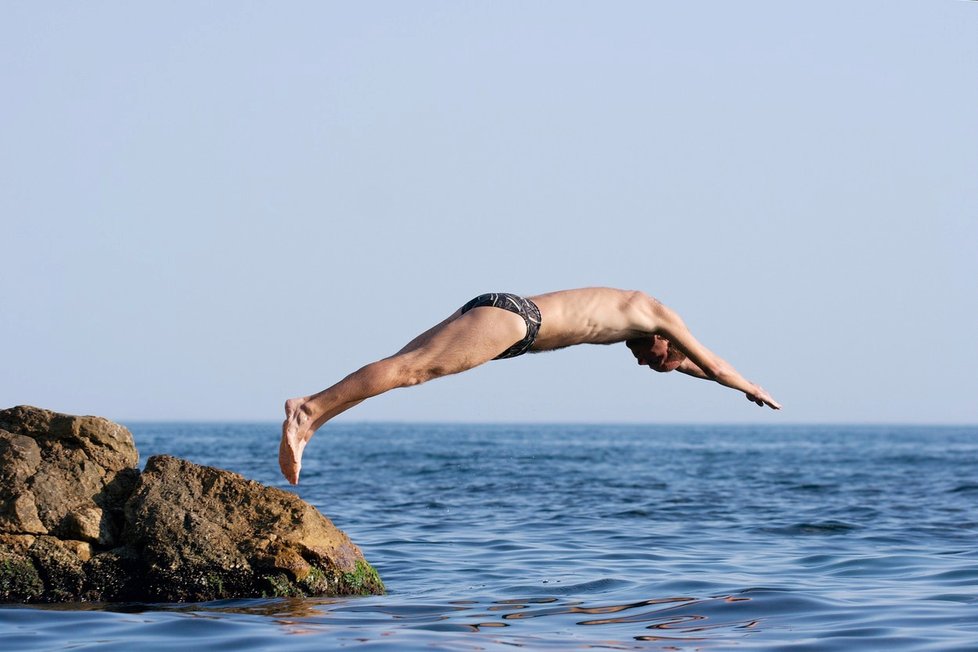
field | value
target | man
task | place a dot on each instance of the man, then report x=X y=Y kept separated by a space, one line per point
x=497 y=326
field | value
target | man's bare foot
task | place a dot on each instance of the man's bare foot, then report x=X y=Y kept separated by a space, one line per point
x=294 y=437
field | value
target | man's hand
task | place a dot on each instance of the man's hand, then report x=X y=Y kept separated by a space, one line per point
x=761 y=397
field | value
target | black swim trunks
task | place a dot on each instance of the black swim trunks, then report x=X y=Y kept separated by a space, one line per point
x=513 y=303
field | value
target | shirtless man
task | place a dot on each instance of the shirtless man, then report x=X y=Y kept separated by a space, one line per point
x=497 y=326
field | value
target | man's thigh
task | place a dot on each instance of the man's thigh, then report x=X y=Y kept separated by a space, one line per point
x=426 y=336
x=466 y=341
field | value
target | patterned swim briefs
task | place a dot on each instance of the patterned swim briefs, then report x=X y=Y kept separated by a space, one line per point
x=513 y=303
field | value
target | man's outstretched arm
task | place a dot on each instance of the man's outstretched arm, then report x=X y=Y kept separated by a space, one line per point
x=690 y=368
x=703 y=363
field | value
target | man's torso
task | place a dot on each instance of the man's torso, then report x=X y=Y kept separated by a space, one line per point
x=586 y=316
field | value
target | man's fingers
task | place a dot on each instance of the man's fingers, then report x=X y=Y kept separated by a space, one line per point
x=763 y=400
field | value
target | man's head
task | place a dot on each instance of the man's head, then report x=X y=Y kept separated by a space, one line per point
x=655 y=353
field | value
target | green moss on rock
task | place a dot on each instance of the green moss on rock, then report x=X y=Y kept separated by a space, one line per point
x=315 y=583
x=19 y=579
x=215 y=584
x=278 y=586
x=363 y=580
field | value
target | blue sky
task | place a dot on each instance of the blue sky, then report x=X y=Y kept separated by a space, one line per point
x=208 y=208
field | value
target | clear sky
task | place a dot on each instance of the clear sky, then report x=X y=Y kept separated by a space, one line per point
x=209 y=207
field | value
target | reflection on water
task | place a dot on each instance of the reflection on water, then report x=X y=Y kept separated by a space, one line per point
x=534 y=622
x=674 y=619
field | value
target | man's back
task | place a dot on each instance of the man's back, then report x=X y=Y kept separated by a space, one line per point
x=589 y=316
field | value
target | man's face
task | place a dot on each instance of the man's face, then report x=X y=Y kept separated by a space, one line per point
x=655 y=353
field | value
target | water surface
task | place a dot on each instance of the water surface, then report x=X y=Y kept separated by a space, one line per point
x=613 y=537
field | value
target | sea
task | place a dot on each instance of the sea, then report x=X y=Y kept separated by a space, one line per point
x=609 y=537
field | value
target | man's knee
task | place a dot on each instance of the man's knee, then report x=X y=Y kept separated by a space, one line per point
x=406 y=372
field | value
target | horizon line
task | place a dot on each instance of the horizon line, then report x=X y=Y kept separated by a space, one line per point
x=365 y=422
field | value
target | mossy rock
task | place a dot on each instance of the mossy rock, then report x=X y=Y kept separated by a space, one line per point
x=363 y=580
x=279 y=585
x=19 y=579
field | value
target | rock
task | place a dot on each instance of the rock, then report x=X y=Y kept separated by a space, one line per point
x=207 y=532
x=79 y=522
x=56 y=469
x=59 y=569
x=87 y=524
x=19 y=580
x=19 y=458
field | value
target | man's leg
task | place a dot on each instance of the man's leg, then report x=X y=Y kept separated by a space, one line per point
x=459 y=343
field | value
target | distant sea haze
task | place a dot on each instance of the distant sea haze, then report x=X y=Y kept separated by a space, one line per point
x=619 y=537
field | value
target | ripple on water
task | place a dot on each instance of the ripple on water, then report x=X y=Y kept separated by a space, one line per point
x=820 y=528
x=964 y=488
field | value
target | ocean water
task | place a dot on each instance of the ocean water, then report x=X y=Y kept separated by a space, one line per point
x=543 y=537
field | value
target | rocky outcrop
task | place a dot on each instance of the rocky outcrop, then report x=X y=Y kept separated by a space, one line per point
x=78 y=521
